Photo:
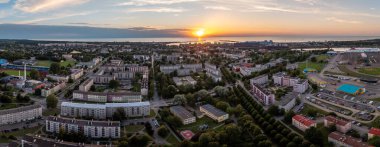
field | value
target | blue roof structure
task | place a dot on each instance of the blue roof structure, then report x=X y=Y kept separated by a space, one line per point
x=350 y=89
x=3 y=61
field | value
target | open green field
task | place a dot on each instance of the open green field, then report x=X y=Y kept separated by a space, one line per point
x=348 y=72
x=47 y=63
x=370 y=71
x=172 y=140
x=194 y=127
x=376 y=122
x=308 y=109
x=317 y=66
x=322 y=58
x=133 y=128
x=14 y=72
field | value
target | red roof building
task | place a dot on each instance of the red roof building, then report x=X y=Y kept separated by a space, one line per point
x=302 y=122
x=373 y=132
x=339 y=139
x=340 y=124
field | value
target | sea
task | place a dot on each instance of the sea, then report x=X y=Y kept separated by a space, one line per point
x=222 y=39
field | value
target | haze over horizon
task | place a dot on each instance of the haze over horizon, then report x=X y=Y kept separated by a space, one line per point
x=30 y=19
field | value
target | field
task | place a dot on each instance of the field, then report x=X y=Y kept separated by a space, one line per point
x=311 y=110
x=322 y=58
x=172 y=140
x=317 y=66
x=47 y=63
x=370 y=71
x=348 y=72
x=18 y=133
x=14 y=72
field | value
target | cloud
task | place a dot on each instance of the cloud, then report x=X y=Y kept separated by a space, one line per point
x=274 y=9
x=338 y=20
x=218 y=8
x=310 y=2
x=153 y=2
x=158 y=10
x=32 y=6
x=4 y=1
x=53 y=17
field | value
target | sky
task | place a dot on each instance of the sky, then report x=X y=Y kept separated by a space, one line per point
x=183 y=17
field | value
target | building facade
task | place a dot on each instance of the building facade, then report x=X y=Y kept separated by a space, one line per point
x=52 y=89
x=185 y=116
x=214 y=113
x=340 y=124
x=127 y=97
x=302 y=122
x=263 y=95
x=342 y=140
x=20 y=114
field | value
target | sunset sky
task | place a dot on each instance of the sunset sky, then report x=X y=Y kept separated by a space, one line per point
x=217 y=17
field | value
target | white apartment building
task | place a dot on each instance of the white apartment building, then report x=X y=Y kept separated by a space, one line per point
x=90 y=128
x=262 y=94
x=76 y=73
x=128 y=97
x=259 y=80
x=20 y=114
x=213 y=72
x=103 y=111
x=299 y=85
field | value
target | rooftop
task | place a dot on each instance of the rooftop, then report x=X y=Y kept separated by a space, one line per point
x=213 y=110
x=82 y=122
x=19 y=109
x=374 y=131
x=348 y=88
x=305 y=121
x=348 y=140
x=337 y=121
x=181 y=112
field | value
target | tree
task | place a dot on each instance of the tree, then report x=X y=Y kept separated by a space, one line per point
x=221 y=91
x=119 y=114
x=288 y=116
x=92 y=88
x=70 y=80
x=51 y=101
x=222 y=105
x=313 y=59
x=37 y=92
x=148 y=128
x=179 y=99
x=374 y=141
x=314 y=135
x=114 y=84
x=163 y=131
x=55 y=68
x=273 y=110
x=139 y=141
x=34 y=74
x=22 y=99
x=5 y=99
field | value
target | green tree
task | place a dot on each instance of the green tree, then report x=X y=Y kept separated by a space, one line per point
x=314 y=135
x=179 y=99
x=5 y=99
x=34 y=74
x=119 y=114
x=273 y=110
x=222 y=105
x=163 y=131
x=55 y=68
x=375 y=141
x=51 y=101
x=288 y=116
x=114 y=84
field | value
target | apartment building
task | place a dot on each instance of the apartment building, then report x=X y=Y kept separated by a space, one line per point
x=302 y=122
x=86 y=85
x=282 y=79
x=188 y=80
x=76 y=73
x=90 y=128
x=262 y=94
x=214 y=113
x=262 y=79
x=53 y=88
x=20 y=114
x=342 y=140
x=103 y=111
x=213 y=72
x=288 y=101
x=181 y=112
x=341 y=125
x=128 y=97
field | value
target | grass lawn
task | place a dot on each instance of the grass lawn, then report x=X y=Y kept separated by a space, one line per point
x=152 y=113
x=317 y=66
x=67 y=62
x=49 y=112
x=195 y=126
x=15 y=72
x=309 y=108
x=370 y=71
x=19 y=133
x=172 y=140
x=375 y=99
x=376 y=122
x=134 y=128
x=44 y=63
x=7 y=106
x=344 y=69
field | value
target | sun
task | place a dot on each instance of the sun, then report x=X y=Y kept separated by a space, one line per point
x=200 y=32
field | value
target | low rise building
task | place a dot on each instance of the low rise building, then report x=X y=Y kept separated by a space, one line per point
x=302 y=122
x=263 y=95
x=188 y=80
x=181 y=112
x=263 y=79
x=340 y=124
x=76 y=73
x=214 y=113
x=288 y=101
x=90 y=128
x=342 y=140
x=30 y=140
x=53 y=88
x=282 y=79
x=20 y=114
x=213 y=72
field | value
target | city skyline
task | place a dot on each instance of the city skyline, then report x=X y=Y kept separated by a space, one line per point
x=179 y=18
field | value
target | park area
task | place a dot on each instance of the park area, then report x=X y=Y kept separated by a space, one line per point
x=14 y=72
x=47 y=63
x=316 y=65
x=371 y=71
x=195 y=127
